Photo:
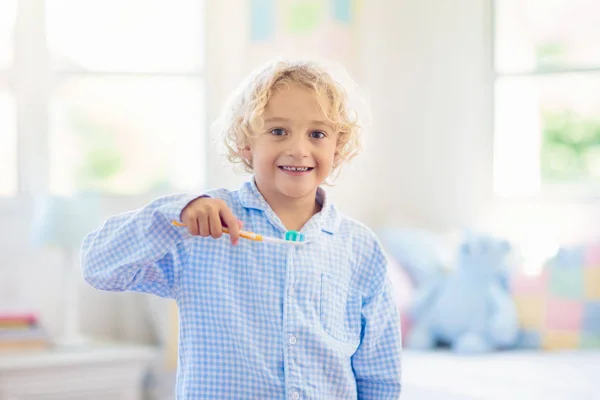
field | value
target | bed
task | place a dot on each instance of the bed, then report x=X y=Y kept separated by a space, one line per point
x=528 y=375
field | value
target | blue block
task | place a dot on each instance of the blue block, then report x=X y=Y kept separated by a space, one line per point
x=591 y=317
x=262 y=23
x=342 y=11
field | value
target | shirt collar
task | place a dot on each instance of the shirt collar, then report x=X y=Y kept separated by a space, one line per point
x=329 y=218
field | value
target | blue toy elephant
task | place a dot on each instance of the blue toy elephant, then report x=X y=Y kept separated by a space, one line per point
x=469 y=309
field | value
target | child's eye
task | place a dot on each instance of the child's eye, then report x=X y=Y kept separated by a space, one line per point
x=317 y=135
x=278 y=132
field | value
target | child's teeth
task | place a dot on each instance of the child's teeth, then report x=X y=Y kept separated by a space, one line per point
x=296 y=169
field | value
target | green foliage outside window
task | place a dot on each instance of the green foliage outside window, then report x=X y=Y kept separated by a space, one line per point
x=570 y=148
x=102 y=159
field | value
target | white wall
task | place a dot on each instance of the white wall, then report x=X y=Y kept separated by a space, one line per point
x=427 y=64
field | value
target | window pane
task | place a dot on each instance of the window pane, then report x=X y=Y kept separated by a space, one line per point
x=8 y=144
x=8 y=14
x=132 y=35
x=127 y=135
x=547 y=131
x=532 y=34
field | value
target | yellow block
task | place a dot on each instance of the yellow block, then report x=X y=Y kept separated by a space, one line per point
x=591 y=277
x=556 y=340
x=357 y=7
x=172 y=336
x=531 y=311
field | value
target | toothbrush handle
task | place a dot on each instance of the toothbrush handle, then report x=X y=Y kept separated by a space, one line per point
x=247 y=235
x=252 y=236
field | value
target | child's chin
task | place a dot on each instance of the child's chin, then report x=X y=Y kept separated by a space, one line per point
x=298 y=190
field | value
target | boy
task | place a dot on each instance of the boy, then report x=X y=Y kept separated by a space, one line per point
x=259 y=320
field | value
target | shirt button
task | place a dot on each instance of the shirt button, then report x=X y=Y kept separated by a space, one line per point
x=295 y=395
x=293 y=340
x=291 y=291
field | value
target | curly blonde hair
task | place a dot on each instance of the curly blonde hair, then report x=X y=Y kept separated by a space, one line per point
x=242 y=115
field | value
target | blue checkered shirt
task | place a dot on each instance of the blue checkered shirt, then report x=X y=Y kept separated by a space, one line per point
x=259 y=320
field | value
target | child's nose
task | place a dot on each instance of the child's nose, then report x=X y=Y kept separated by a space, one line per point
x=299 y=146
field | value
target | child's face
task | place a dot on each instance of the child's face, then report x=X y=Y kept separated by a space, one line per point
x=295 y=152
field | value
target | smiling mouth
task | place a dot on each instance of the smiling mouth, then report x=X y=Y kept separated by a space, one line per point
x=295 y=169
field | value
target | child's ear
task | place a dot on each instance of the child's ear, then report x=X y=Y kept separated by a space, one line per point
x=246 y=153
x=336 y=159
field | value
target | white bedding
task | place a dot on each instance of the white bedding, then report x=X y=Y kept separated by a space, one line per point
x=514 y=375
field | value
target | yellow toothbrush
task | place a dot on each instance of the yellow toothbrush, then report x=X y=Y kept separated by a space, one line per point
x=291 y=237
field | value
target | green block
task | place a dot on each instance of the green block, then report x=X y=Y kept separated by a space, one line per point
x=567 y=283
x=590 y=341
x=304 y=16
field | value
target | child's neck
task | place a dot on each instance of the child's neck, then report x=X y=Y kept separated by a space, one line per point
x=294 y=213
x=295 y=216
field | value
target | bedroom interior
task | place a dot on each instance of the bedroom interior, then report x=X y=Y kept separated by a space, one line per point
x=482 y=150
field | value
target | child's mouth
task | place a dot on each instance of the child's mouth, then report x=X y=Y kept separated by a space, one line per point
x=295 y=170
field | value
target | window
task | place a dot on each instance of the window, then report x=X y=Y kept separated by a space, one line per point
x=547 y=96
x=117 y=93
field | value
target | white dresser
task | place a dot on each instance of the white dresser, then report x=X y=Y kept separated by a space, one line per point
x=91 y=372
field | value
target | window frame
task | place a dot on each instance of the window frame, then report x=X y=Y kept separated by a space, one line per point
x=548 y=192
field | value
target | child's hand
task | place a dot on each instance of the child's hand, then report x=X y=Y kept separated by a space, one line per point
x=206 y=217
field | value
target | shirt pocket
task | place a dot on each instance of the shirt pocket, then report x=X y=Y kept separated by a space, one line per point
x=340 y=310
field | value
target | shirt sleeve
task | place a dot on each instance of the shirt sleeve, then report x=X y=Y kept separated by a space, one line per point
x=376 y=362
x=139 y=250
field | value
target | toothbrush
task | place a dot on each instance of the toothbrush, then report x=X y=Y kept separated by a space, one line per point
x=291 y=237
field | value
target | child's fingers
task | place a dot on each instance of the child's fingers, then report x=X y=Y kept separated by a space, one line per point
x=214 y=220
x=232 y=224
x=203 y=226
x=191 y=224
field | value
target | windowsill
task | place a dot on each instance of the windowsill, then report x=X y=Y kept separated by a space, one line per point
x=557 y=194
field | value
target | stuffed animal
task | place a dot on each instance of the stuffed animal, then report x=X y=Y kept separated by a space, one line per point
x=469 y=309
